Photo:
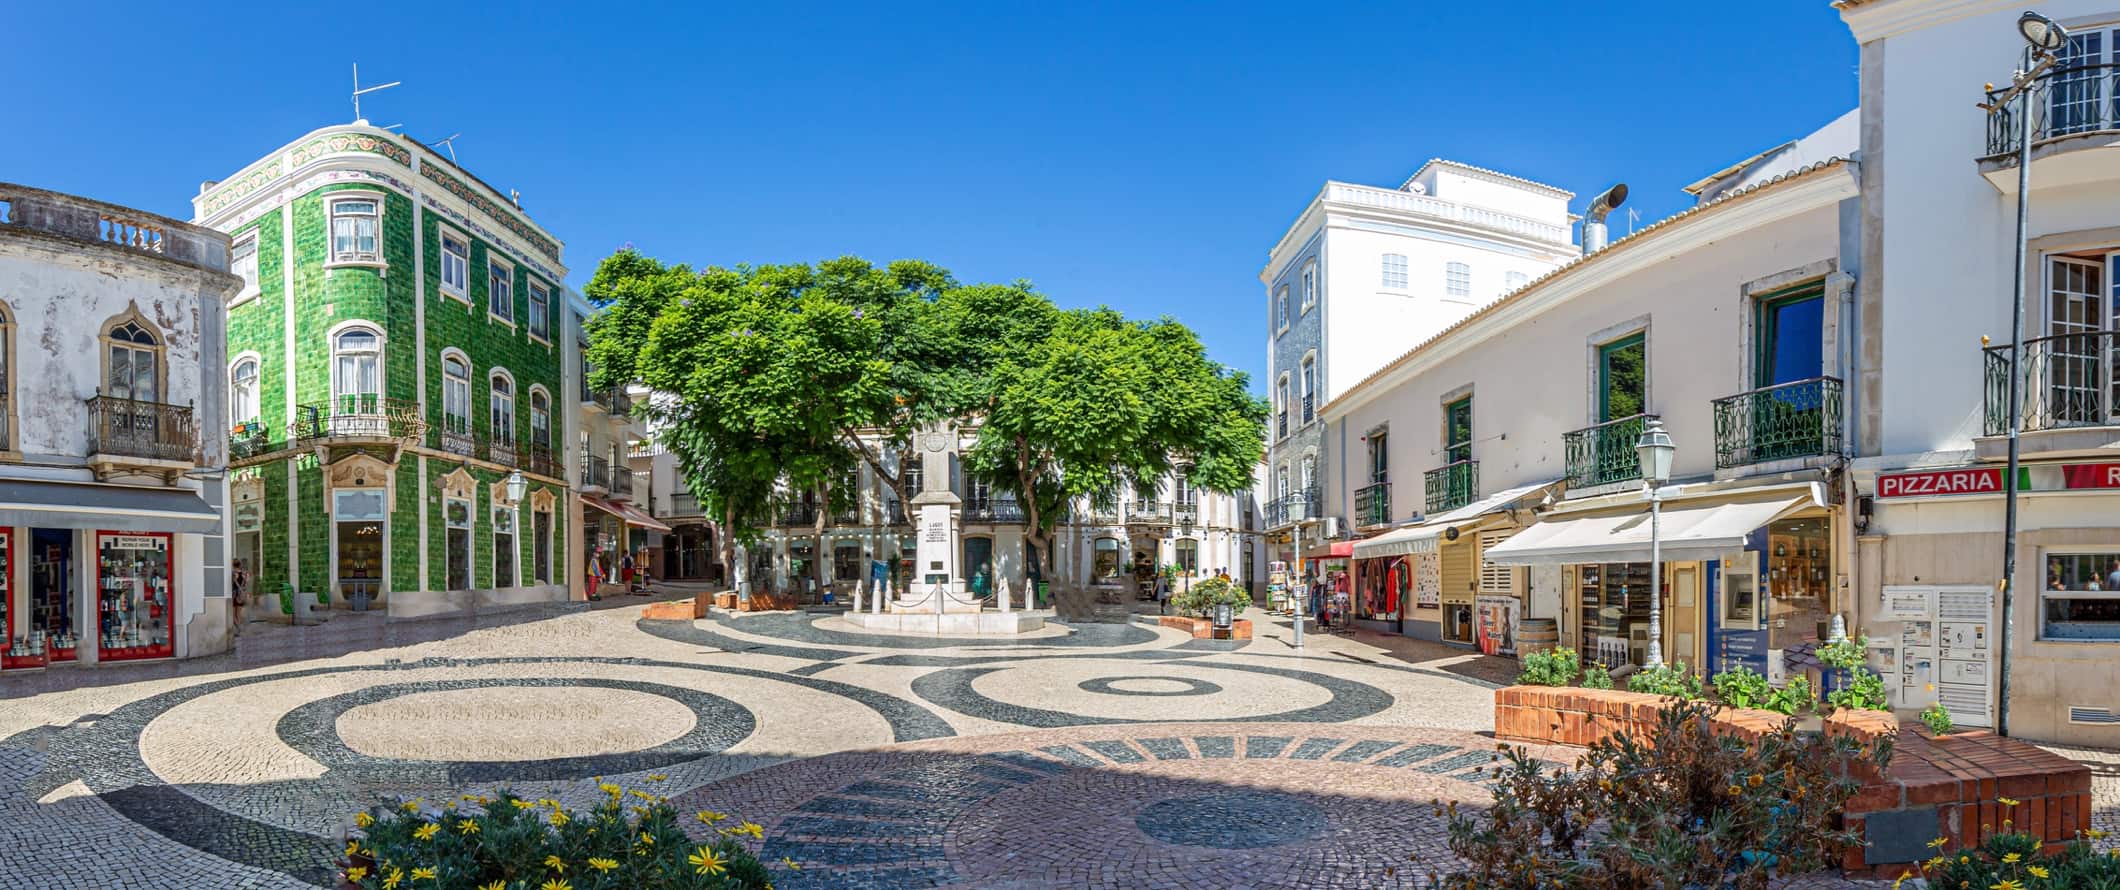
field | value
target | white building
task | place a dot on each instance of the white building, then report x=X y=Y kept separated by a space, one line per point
x=609 y=491
x=113 y=448
x=1363 y=274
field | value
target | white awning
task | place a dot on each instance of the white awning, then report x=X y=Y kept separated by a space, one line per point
x=1422 y=538
x=1691 y=530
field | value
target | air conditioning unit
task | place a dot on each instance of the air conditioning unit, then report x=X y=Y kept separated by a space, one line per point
x=1332 y=527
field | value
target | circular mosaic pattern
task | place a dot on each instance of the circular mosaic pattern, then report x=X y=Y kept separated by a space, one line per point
x=1050 y=693
x=1148 y=686
x=1232 y=820
x=526 y=723
x=714 y=723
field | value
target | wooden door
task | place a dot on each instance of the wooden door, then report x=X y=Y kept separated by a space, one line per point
x=1684 y=635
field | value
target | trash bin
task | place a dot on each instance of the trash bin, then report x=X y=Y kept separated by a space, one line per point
x=1224 y=619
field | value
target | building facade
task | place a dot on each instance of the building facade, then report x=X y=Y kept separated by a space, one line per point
x=395 y=380
x=1365 y=273
x=112 y=542
x=610 y=508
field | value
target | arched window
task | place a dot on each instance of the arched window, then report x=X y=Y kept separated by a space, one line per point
x=1104 y=565
x=540 y=418
x=502 y=409
x=456 y=404
x=1282 y=303
x=1310 y=285
x=1457 y=280
x=135 y=360
x=357 y=368
x=243 y=391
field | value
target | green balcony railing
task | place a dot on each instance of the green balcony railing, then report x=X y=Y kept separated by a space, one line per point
x=1602 y=454
x=1801 y=418
x=1452 y=485
x=1372 y=505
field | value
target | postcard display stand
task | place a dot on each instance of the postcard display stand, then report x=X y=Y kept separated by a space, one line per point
x=19 y=647
x=133 y=605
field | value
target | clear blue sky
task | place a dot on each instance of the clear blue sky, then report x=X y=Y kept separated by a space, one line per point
x=1144 y=159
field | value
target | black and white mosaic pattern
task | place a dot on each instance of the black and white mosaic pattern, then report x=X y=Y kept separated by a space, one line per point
x=1156 y=687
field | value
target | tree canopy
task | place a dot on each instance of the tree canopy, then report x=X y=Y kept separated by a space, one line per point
x=773 y=382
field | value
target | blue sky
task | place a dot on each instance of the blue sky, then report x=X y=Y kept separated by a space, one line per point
x=1146 y=158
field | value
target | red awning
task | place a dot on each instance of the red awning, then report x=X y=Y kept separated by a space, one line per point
x=1334 y=550
x=627 y=513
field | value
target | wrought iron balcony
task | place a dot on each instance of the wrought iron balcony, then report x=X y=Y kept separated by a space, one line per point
x=363 y=416
x=1299 y=506
x=540 y=459
x=247 y=440
x=1452 y=485
x=800 y=514
x=458 y=441
x=1309 y=413
x=2068 y=382
x=596 y=472
x=996 y=508
x=684 y=503
x=621 y=483
x=502 y=452
x=2064 y=101
x=1372 y=505
x=612 y=400
x=1603 y=454
x=144 y=430
x=1800 y=418
x=1282 y=428
x=1186 y=512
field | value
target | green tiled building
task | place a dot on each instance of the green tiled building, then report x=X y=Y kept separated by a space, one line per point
x=397 y=380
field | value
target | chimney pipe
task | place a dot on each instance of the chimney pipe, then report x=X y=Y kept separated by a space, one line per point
x=1594 y=218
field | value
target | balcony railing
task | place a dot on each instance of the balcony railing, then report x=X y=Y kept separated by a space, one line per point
x=542 y=460
x=1281 y=428
x=146 y=430
x=684 y=503
x=2064 y=101
x=1424 y=205
x=643 y=449
x=800 y=514
x=1300 y=506
x=621 y=482
x=458 y=442
x=1148 y=513
x=1452 y=485
x=2068 y=381
x=1186 y=512
x=596 y=472
x=1603 y=454
x=1309 y=411
x=359 y=416
x=1372 y=505
x=502 y=452
x=1800 y=418
x=613 y=400
x=245 y=440
x=997 y=508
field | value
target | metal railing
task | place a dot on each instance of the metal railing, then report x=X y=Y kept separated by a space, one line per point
x=800 y=514
x=1298 y=506
x=1186 y=512
x=596 y=472
x=684 y=503
x=1602 y=454
x=460 y=442
x=621 y=482
x=1282 y=426
x=2064 y=101
x=1148 y=513
x=245 y=440
x=613 y=399
x=502 y=452
x=542 y=460
x=1372 y=504
x=1800 y=418
x=2068 y=381
x=996 y=508
x=1309 y=411
x=1451 y=485
x=359 y=416
x=148 y=430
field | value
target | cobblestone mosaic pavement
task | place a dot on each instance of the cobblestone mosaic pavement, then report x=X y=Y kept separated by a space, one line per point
x=1097 y=755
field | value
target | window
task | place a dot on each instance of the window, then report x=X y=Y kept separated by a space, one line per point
x=1281 y=395
x=1309 y=477
x=2081 y=600
x=456 y=264
x=1181 y=485
x=243 y=391
x=1281 y=482
x=1790 y=331
x=1286 y=310
x=500 y=299
x=1622 y=378
x=356 y=369
x=541 y=545
x=458 y=543
x=2073 y=96
x=502 y=409
x=1188 y=555
x=1513 y=280
x=1395 y=271
x=846 y=561
x=1310 y=285
x=540 y=418
x=354 y=222
x=540 y=303
x=1457 y=430
x=1457 y=280
x=1310 y=383
x=243 y=262
x=134 y=360
x=456 y=395
x=503 y=546
x=1379 y=457
x=1104 y=564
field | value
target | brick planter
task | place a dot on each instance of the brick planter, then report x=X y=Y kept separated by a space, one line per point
x=678 y=610
x=1204 y=628
x=1936 y=787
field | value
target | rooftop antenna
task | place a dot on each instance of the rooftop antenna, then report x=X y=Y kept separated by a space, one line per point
x=358 y=90
x=1633 y=216
x=448 y=142
x=394 y=127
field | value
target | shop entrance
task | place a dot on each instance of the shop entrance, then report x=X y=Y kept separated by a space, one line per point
x=54 y=632
x=1683 y=617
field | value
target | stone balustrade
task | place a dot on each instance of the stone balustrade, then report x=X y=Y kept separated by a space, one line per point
x=24 y=208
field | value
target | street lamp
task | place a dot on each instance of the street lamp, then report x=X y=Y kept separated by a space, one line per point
x=518 y=487
x=1654 y=450
x=2044 y=36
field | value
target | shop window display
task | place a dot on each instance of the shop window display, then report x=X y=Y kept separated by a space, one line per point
x=133 y=590
x=15 y=647
x=2081 y=598
x=1798 y=571
x=1615 y=624
x=51 y=632
x=1105 y=563
x=1383 y=586
x=846 y=561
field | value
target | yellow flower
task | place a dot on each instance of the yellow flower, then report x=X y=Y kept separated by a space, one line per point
x=559 y=817
x=647 y=840
x=467 y=826
x=1903 y=876
x=1936 y=862
x=363 y=819
x=790 y=863
x=426 y=832
x=1734 y=790
x=709 y=817
x=2011 y=858
x=423 y=873
x=1939 y=842
x=2008 y=802
x=2037 y=872
x=613 y=790
x=1755 y=780
x=396 y=875
x=353 y=847
x=556 y=864
x=554 y=884
x=643 y=795
x=755 y=830
x=496 y=885
x=411 y=806
x=2094 y=834
x=356 y=873
x=2006 y=884
x=601 y=864
x=656 y=777
x=467 y=798
x=708 y=861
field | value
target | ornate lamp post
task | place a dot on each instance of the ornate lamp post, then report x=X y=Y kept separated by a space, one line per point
x=1655 y=451
x=518 y=487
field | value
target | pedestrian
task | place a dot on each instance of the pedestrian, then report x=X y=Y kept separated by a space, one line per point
x=239 y=580
x=1162 y=595
x=2112 y=581
x=596 y=573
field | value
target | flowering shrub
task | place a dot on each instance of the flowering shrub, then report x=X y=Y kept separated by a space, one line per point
x=1597 y=676
x=1556 y=667
x=1200 y=599
x=632 y=840
x=1689 y=808
x=1937 y=718
x=1674 y=681
x=2012 y=861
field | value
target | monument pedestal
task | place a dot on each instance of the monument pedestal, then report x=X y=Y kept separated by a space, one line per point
x=950 y=624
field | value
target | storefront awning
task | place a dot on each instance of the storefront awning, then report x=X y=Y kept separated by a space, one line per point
x=1708 y=527
x=1422 y=538
x=626 y=513
x=121 y=508
x=1330 y=550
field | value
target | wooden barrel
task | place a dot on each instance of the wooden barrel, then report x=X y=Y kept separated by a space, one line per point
x=1536 y=635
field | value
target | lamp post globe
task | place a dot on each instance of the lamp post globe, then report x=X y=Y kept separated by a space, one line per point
x=518 y=487
x=2044 y=34
x=1655 y=450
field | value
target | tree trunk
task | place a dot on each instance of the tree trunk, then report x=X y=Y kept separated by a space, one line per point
x=726 y=543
